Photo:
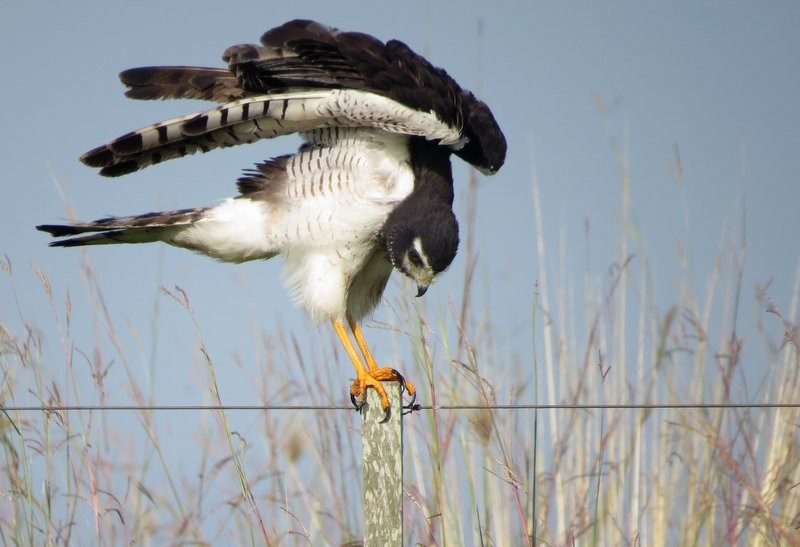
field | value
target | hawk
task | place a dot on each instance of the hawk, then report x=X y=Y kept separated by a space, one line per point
x=369 y=191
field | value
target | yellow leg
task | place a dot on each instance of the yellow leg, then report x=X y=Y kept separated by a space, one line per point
x=362 y=343
x=363 y=378
x=387 y=374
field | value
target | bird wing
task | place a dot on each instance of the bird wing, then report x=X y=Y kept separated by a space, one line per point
x=302 y=55
x=304 y=76
x=181 y=82
x=333 y=195
x=262 y=117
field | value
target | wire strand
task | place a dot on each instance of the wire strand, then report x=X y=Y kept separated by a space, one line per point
x=555 y=406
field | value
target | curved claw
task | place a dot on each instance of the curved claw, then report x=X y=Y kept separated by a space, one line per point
x=358 y=406
x=400 y=379
x=407 y=387
x=373 y=380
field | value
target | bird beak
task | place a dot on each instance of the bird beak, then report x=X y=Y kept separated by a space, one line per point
x=421 y=289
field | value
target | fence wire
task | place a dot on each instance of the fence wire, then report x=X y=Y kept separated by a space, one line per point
x=553 y=406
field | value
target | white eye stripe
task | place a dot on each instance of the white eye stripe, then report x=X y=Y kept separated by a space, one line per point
x=417 y=245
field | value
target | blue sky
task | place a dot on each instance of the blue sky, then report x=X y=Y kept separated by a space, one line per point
x=719 y=82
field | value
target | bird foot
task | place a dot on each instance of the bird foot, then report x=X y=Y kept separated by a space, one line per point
x=373 y=379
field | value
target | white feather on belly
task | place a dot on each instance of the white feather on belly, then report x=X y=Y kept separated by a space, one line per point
x=326 y=237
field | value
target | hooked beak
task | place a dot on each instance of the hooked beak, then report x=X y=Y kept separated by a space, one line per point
x=421 y=289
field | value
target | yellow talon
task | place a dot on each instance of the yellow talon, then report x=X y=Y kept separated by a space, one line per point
x=369 y=375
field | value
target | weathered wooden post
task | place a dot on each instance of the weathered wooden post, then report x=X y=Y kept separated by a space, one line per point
x=382 y=453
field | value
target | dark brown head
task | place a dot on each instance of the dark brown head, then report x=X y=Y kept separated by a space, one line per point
x=421 y=242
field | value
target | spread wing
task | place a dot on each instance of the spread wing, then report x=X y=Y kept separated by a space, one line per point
x=263 y=117
x=305 y=76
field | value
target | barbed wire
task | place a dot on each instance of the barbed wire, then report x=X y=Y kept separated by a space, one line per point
x=545 y=406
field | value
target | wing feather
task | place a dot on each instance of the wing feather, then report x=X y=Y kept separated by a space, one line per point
x=133 y=229
x=263 y=117
x=181 y=82
x=319 y=77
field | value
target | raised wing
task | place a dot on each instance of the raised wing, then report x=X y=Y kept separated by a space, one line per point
x=182 y=82
x=263 y=117
x=305 y=76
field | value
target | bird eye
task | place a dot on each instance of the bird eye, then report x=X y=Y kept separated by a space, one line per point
x=414 y=258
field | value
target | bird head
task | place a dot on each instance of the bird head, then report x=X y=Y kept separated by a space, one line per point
x=423 y=247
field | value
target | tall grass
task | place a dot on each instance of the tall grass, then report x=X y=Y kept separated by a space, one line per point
x=484 y=476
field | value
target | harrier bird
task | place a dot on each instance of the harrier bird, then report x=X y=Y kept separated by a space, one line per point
x=370 y=188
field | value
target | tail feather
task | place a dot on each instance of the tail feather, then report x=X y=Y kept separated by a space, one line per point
x=103 y=238
x=145 y=228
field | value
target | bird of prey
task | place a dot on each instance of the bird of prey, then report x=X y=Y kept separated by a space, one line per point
x=369 y=190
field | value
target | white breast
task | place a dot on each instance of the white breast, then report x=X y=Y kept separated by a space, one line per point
x=344 y=192
x=322 y=213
